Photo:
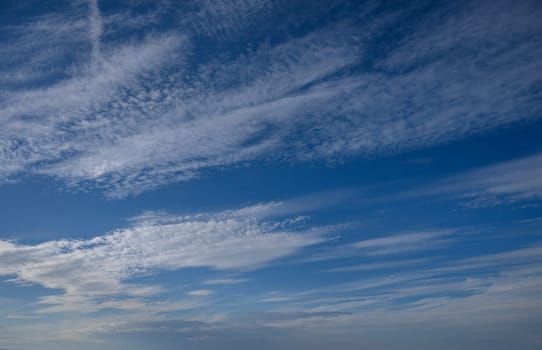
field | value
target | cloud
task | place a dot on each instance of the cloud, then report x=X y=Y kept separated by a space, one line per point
x=90 y=273
x=402 y=243
x=199 y=292
x=505 y=285
x=223 y=18
x=379 y=265
x=95 y=28
x=406 y=242
x=139 y=110
x=226 y=281
x=503 y=291
x=515 y=181
x=519 y=257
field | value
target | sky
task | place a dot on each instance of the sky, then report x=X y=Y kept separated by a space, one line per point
x=274 y=174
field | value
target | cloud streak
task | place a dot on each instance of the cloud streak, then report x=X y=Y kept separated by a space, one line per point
x=91 y=273
x=517 y=181
x=95 y=28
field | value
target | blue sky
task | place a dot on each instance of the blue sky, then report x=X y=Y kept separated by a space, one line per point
x=274 y=174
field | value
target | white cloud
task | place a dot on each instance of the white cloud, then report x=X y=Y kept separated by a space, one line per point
x=379 y=265
x=199 y=292
x=220 y=281
x=226 y=17
x=406 y=242
x=503 y=292
x=514 y=181
x=145 y=113
x=90 y=272
x=95 y=28
x=402 y=243
x=504 y=289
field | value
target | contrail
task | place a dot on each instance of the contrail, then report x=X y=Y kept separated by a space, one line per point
x=95 y=29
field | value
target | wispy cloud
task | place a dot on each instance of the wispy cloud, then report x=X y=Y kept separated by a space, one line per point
x=503 y=291
x=379 y=265
x=95 y=29
x=402 y=243
x=226 y=18
x=90 y=273
x=141 y=112
x=517 y=181
x=505 y=286
x=406 y=242
x=199 y=292
x=220 y=281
